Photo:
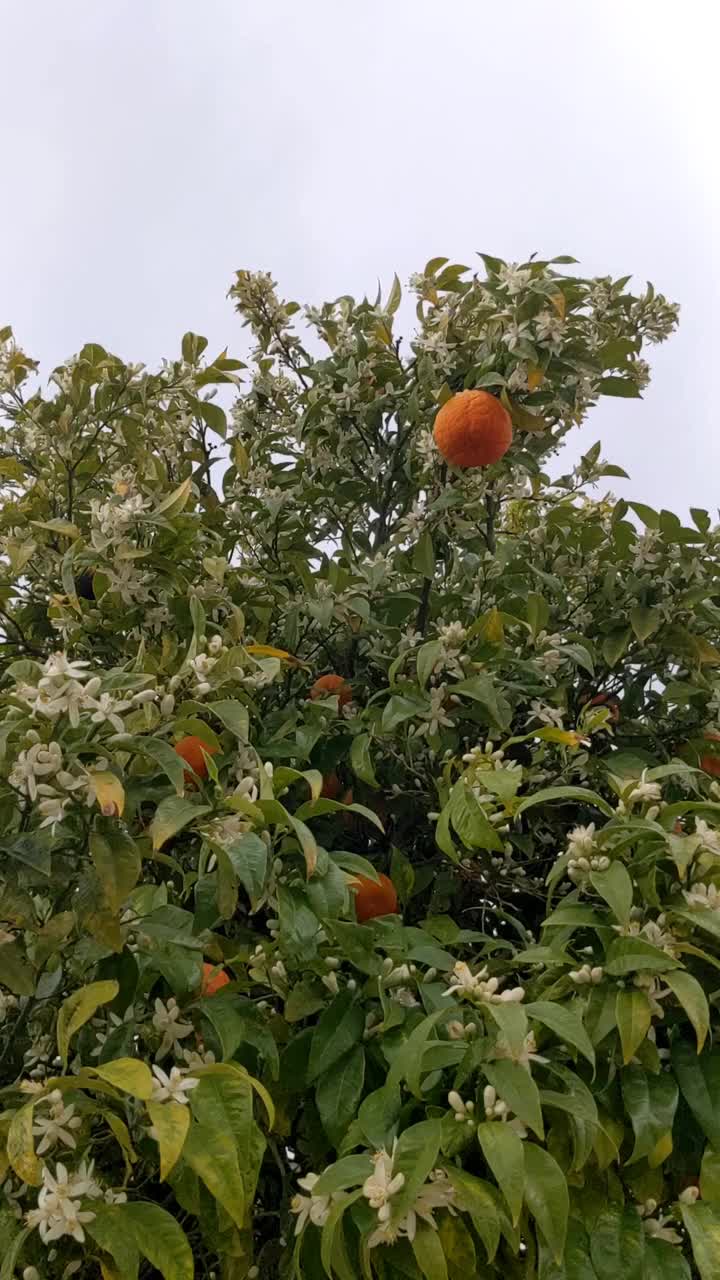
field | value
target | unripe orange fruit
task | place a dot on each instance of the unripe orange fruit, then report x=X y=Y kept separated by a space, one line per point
x=711 y=763
x=191 y=750
x=213 y=979
x=331 y=686
x=374 y=899
x=473 y=429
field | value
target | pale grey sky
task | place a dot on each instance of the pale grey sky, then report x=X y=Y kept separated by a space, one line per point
x=150 y=147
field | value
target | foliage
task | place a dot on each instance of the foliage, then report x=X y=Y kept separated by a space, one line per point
x=517 y=1074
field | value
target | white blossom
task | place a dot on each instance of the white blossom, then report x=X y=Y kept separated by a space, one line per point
x=513 y=278
x=172 y=1087
x=167 y=1019
x=56 y=1127
x=315 y=1209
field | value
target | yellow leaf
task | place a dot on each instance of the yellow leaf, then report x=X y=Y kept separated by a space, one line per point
x=566 y=737
x=558 y=301
x=535 y=378
x=268 y=651
x=129 y=1074
x=109 y=793
x=21 y=1148
x=492 y=628
x=171 y=1121
x=79 y=1008
x=660 y=1152
x=175 y=501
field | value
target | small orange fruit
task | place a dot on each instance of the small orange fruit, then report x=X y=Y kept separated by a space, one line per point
x=213 y=979
x=711 y=763
x=473 y=429
x=331 y=686
x=331 y=787
x=374 y=899
x=191 y=749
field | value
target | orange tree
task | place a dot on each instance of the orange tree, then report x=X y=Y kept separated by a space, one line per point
x=260 y=661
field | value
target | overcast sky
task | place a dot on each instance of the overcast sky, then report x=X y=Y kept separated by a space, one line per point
x=151 y=147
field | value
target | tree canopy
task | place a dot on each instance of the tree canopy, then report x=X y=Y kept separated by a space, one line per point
x=407 y=973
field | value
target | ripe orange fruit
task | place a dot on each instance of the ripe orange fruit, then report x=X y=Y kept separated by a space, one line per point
x=190 y=749
x=329 y=686
x=711 y=763
x=374 y=899
x=473 y=429
x=213 y=980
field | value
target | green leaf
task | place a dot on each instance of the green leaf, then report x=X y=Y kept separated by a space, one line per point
x=338 y=1030
x=429 y=1253
x=538 y=612
x=566 y=1023
x=651 y=1102
x=699 y=1080
x=469 y=819
x=348 y=1172
x=633 y=1017
x=12 y=1255
x=234 y=716
x=617 y=1244
x=159 y=751
x=378 y=1115
x=691 y=996
x=423 y=557
x=503 y=1150
x=360 y=760
x=129 y=1074
x=117 y=861
x=78 y=1008
x=402 y=874
x=477 y=1199
x=15 y=973
x=516 y=1086
x=616 y=887
x=157 y=1236
x=616 y=386
x=546 y=1193
x=710 y=1176
x=458 y=1247
x=248 y=858
x=644 y=621
x=171 y=816
x=397 y=709
x=578 y=794
x=664 y=1261
x=174 y=503
x=338 y=1093
x=171 y=1121
x=631 y=955
x=615 y=644
x=702 y=1223
x=415 y=1157
x=214 y=416
x=512 y=1020
x=211 y=1148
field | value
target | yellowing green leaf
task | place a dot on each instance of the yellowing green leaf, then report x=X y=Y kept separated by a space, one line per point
x=633 y=1015
x=129 y=1074
x=21 y=1148
x=116 y=859
x=171 y=1121
x=78 y=1008
x=109 y=792
x=175 y=502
